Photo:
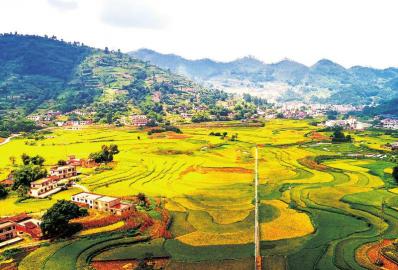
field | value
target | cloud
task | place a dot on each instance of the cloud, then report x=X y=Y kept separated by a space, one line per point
x=133 y=13
x=63 y=4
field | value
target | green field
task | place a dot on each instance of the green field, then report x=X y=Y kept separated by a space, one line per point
x=314 y=214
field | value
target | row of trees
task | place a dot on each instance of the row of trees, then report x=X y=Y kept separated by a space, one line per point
x=9 y=125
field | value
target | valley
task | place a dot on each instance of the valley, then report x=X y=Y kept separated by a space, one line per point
x=320 y=203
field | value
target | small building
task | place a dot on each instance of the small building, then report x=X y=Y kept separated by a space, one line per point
x=102 y=203
x=73 y=161
x=44 y=187
x=63 y=172
x=35 y=118
x=7 y=183
x=105 y=203
x=394 y=146
x=139 y=120
x=86 y=198
x=26 y=224
x=7 y=230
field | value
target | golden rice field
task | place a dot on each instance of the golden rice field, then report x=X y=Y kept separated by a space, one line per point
x=317 y=213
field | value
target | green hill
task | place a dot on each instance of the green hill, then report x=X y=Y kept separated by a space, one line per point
x=41 y=73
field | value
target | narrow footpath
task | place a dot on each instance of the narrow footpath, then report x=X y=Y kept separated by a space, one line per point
x=9 y=139
x=257 y=254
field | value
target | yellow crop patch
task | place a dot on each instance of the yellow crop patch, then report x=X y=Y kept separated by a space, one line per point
x=289 y=224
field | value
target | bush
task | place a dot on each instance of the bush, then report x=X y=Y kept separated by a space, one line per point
x=164 y=129
x=3 y=192
x=395 y=173
x=339 y=137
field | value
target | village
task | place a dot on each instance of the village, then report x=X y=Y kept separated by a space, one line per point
x=26 y=227
x=184 y=114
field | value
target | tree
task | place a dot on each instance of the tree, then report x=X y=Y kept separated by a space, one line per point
x=26 y=174
x=3 y=192
x=12 y=160
x=55 y=222
x=200 y=117
x=25 y=159
x=338 y=136
x=106 y=154
x=36 y=160
x=61 y=162
x=143 y=265
x=395 y=173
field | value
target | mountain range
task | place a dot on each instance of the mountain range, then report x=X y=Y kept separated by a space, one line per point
x=287 y=80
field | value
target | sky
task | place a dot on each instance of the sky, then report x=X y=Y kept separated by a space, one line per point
x=349 y=32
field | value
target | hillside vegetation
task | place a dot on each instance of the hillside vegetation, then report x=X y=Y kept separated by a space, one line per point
x=45 y=73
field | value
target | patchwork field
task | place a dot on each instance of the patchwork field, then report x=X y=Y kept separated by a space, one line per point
x=319 y=202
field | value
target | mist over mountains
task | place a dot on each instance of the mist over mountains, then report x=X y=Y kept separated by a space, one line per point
x=287 y=80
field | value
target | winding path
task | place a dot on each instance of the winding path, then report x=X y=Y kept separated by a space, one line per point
x=85 y=189
x=257 y=255
x=9 y=139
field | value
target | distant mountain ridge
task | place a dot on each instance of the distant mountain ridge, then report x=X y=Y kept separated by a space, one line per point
x=325 y=81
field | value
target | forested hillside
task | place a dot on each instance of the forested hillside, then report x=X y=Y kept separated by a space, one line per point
x=45 y=73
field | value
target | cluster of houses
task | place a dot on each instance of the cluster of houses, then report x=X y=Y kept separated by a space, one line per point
x=102 y=203
x=45 y=187
x=46 y=117
x=389 y=123
x=351 y=123
x=12 y=228
x=76 y=123
x=300 y=110
x=50 y=117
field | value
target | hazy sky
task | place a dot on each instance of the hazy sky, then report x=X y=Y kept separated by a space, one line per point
x=350 y=32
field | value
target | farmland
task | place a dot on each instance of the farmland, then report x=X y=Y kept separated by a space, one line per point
x=319 y=202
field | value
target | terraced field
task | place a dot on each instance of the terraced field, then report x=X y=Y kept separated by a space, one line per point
x=319 y=202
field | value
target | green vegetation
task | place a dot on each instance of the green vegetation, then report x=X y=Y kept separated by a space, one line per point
x=319 y=202
x=13 y=124
x=106 y=154
x=25 y=174
x=165 y=129
x=3 y=192
x=38 y=74
x=339 y=137
x=395 y=173
x=55 y=222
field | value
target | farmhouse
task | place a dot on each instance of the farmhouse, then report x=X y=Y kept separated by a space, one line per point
x=139 y=120
x=44 y=187
x=35 y=118
x=85 y=199
x=63 y=171
x=102 y=203
x=8 y=233
x=9 y=181
x=394 y=146
x=25 y=224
